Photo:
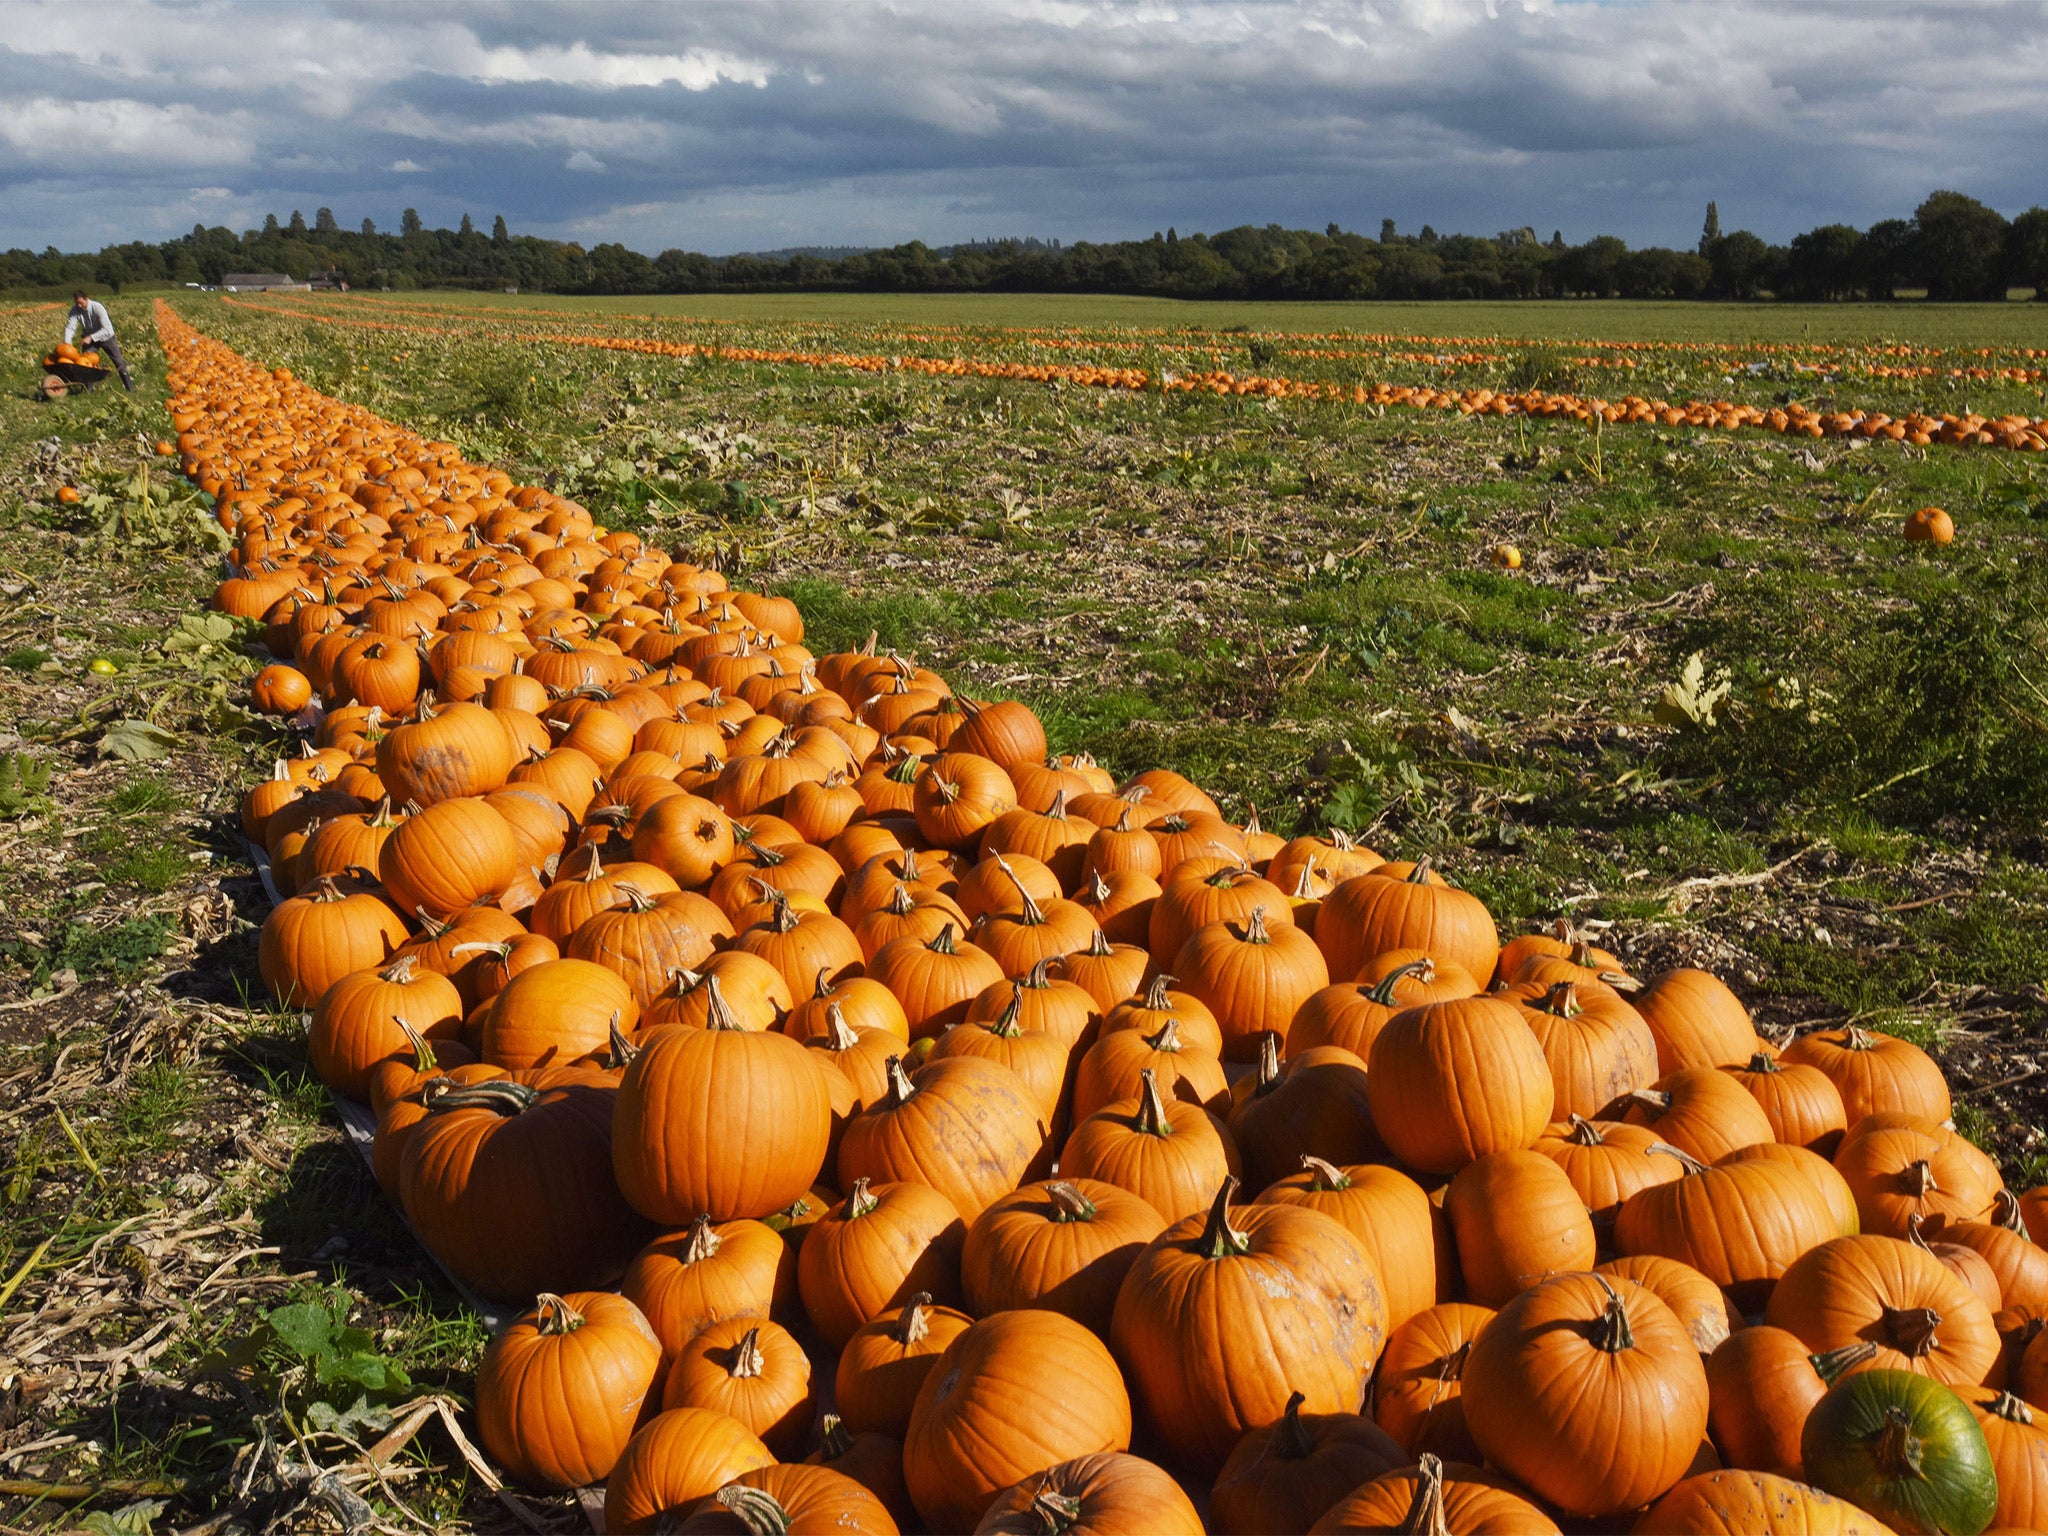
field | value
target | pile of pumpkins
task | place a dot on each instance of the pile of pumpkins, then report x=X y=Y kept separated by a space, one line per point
x=65 y=352
x=888 y=1123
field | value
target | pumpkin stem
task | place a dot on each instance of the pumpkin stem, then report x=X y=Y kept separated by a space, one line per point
x=1219 y=1238
x=1918 y=1177
x=1057 y=811
x=1857 y=1038
x=500 y=1096
x=900 y=1086
x=1098 y=945
x=718 y=1013
x=1652 y=1102
x=1831 y=1365
x=2010 y=1408
x=1324 y=1177
x=943 y=943
x=1068 y=1203
x=1425 y=1515
x=839 y=1035
x=1039 y=978
x=747 y=1359
x=556 y=1315
x=913 y=1322
x=1382 y=991
x=1055 y=1512
x=1152 y=1118
x=899 y=904
x=1562 y=1000
x=2005 y=1212
x=1304 y=882
x=621 y=1050
x=784 y=918
x=1686 y=1160
x=1009 y=1025
x=1168 y=1038
x=1269 y=1063
x=1613 y=1332
x=1292 y=1443
x=1896 y=1448
x=1419 y=875
x=423 y=1060
x=1156 y=999
x=837 y=1441
x=1585 y=1133
x=400 y=970
x=754 y=1508
x=703 y=1242
x=1255 y=930
x=1098 y=891
x=1763 y=1065
x=1913 y=1330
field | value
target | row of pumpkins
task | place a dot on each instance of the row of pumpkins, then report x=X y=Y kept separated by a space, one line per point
x=791 y=1033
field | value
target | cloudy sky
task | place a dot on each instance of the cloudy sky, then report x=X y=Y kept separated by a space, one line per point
x=729 y=126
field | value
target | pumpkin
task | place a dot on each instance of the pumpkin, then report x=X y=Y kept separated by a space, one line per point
x=685 y=1281
x=1107 y=1494
x=559 y=1391
x=441 y=754
x=1874 y=1073
x=510 y=1188
x=1517 y=1221
x=1754 y=1504
x=649 y=938
x=861 y=1002
x=885 y=1363
x=934 y=980
x=1351 y=1013
x=1109 y=973
x=2018 y=1442
x=1436 y=1496
x=686 y=837
x=1589 y=1392
x=1204 y=891
x=1818 y=1172
x=1741 y=1224
x=1901 y=1298
x=1599 y=1048
x=734 y=990
x=1281 y=1477
x=1253 y=976
x=310 y=942
x=1694 y=1300
x=1036 y=1059
x=1006 y=733
x=1231 y=1311
x=988 y=1414
x=1195 y=1027
x=968 y=1128
x=677 y=1458
x=1121 y=904
x=1418 y=1390
x=1034 y=932
x=1929 y=525
x=796 y=1499
x=873 y=1251
x=1607 y=1161
x=1397 y=907
x=1165 y=1152
x=1696 y=1020
x=1906 y=1449
x=1761 y=1384
x=1903 y=1173
x=1315 y=1105
x=720 y=1121
x=1801 y=1102
x=1111 y=1070
x=1064 y=1245
x=753 y=1371
x=361 y=1020
x=872 y=1459
x=1450 y=1082
x=453 y=854
x=2019 y=1264
x=957 y=795
x=1700 y=1110
x=558 y=1013
x=1387 y=1212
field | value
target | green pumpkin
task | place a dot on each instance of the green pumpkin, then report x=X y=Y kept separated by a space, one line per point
x=1904 y=1448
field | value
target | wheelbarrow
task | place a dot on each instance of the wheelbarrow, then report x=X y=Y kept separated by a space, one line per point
x=63 y=378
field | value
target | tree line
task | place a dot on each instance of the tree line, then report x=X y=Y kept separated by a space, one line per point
x=1952 y=248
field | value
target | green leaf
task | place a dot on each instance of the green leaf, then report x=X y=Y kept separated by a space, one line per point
x=1689 y=702
x=361 y=1414
x=136 y=741
x=137 y=1519
x=303 y=1328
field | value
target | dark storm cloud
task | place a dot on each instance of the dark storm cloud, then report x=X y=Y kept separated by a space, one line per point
x=734 y=126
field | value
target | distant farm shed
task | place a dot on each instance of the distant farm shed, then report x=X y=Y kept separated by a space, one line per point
x=236 y=282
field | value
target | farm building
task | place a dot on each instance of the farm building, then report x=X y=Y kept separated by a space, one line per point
x=242 y=282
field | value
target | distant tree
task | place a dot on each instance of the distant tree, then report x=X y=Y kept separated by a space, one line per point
x=1711 y=230
x=1821 y=264
x=369 y=230
x=323 y=222
x=1387 y=232
x=110 y=270
x=409 y=222
x=500 y=235
x=270 y=224
x=1741 y=264
x=1557 y=240
x=2026 y=252
x=1428 y=235
x=1172 y=235
x=467 y=227
x=1884 y=258
x=1960 y=247
x=1593 y=269
x=298 y=225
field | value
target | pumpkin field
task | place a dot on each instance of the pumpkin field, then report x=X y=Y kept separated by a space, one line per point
x=1025 y=914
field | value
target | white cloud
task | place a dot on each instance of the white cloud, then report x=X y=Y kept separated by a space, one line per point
x=583 y=160
x=405 y=167
x=696 y=70
x=120 y=133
